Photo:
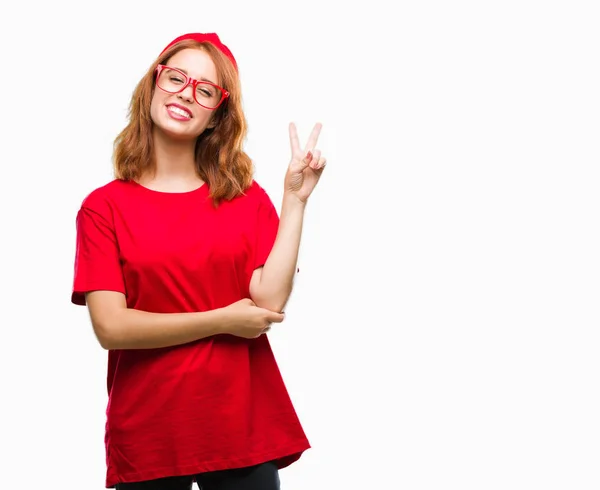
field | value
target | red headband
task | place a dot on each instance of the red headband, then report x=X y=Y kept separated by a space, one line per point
x=209 y=37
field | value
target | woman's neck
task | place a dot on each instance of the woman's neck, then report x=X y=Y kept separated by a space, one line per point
x=175 y=165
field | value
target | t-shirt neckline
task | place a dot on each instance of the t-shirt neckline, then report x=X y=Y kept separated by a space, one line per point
x=167 y=193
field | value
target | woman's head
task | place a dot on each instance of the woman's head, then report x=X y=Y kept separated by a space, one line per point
x=209 y=74
x=187 y=95
x=207 y=112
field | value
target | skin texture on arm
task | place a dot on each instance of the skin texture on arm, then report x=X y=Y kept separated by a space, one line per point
x=119 y=327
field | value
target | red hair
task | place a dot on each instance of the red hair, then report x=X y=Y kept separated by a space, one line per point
x=220 y=159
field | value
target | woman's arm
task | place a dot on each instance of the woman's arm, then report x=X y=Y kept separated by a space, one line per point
x=119 y=327
x=271 y=285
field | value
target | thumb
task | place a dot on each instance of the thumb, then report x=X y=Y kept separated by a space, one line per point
x=275 y=317
x=308 y=158
x=305 y=162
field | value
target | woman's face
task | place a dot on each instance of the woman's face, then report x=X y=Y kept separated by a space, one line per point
x=179 y=115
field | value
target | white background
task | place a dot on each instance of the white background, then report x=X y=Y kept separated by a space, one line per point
x=443 y=332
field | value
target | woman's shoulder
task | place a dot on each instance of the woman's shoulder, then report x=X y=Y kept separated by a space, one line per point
x=257 y=191
x=105 y=194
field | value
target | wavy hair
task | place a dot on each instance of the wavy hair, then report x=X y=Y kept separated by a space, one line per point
x=220 y=159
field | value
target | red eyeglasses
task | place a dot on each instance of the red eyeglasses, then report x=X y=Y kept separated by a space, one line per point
x=207 y=94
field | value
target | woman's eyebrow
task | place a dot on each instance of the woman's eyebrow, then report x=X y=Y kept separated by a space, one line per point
x=185 y=71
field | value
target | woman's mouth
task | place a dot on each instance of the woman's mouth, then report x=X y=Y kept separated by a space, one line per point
x=178 y=112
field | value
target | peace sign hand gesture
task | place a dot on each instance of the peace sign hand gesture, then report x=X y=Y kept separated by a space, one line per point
x=306 y=166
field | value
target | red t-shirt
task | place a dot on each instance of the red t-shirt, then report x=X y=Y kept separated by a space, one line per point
x=212 y=404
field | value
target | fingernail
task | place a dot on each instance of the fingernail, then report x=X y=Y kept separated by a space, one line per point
x=309 y=155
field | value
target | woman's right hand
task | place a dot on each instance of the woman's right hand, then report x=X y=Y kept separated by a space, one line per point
x=244 y=319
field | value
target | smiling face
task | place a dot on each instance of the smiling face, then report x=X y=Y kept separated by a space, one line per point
x=178 y=115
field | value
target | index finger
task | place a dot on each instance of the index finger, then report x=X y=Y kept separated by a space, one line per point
x=294 y=142
x=314 y=137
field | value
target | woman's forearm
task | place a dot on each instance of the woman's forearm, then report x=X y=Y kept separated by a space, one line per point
x=119 y=327
x=276 y=279
x=135 y=329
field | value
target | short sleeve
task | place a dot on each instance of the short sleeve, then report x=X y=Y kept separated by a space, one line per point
x=97 y=262
x=267 y=226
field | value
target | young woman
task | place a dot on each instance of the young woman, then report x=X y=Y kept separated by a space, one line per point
x=184 y=263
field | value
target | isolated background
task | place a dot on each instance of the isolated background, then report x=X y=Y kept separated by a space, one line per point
x=443 y=332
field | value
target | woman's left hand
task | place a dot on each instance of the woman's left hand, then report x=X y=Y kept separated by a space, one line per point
x=306 y=166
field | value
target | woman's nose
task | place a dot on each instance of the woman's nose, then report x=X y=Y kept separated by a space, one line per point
x=187 y=93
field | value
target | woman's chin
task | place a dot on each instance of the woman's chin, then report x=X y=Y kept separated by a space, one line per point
x=177 y=132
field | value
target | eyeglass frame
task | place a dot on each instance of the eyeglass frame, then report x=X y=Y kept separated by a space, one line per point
x=194 y=83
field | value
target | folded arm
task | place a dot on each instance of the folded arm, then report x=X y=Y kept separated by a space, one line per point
x=272 y=284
